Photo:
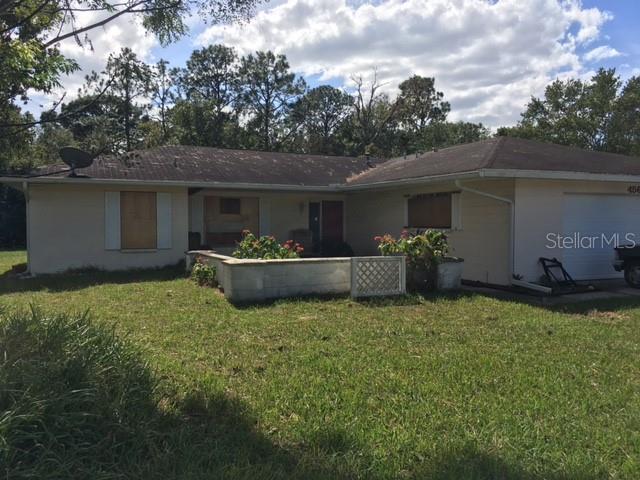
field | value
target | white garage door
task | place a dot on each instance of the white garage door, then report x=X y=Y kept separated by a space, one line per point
x=599 y=221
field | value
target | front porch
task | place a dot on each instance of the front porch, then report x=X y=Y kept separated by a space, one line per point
x=315 y=220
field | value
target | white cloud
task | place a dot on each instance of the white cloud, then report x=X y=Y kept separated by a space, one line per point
x=601 y=53
x=125 y=31
x=488 y=57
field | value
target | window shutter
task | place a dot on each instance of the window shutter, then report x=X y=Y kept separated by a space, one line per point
x=112 y=220
x=165 y=229
x=456 y=211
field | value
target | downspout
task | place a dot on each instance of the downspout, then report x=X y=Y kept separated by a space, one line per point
x=511 y=221
x=25 y=192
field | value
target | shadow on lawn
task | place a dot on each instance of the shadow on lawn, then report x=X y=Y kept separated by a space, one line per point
x=470 y=464
x=216 y=437
x=78 y=280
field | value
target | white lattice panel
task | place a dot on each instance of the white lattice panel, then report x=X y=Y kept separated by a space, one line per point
x=377 y=276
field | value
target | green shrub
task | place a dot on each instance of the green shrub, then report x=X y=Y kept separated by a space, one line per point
x=203 y=274
x=76 y=400
x=266 y=248
x=422 y=251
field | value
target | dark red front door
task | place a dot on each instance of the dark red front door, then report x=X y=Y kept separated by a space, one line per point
x=332 y=221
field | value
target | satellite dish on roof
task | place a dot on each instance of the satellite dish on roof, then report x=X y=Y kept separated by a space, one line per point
x=75 y=158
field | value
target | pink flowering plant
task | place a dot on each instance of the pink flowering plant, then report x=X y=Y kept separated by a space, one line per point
x=266 y=248
x=423 y=250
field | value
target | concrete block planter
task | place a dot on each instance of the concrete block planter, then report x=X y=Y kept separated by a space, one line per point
x=248 y=280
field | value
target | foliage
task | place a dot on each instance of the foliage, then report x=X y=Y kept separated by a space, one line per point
x=161 y=96
x=13 y=228
x=203 y=274
x=268 y=92
x=15 y=144
x=206 y=93
x=420 y=104
x=373 y=121
x=446 y=134
x=423 y=250
x=76 y=399
x=321 y=113
x=265 y=248
x=128 y=82
x=316 y=389
x=31 y=30
x=596 y=114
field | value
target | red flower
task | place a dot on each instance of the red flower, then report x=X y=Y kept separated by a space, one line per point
x=299 y=248
x=404 y=234
x=377 y=238
x=287 y=246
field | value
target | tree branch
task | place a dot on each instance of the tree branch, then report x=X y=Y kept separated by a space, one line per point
x=26 y=125
x=73 y=33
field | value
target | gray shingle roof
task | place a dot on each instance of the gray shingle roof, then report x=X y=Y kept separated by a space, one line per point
x=204 y=164
x=499 y=153
x=221 y=166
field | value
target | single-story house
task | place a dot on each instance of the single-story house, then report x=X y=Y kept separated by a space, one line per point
x=504 y=202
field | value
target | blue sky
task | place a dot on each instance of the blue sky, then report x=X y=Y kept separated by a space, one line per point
x=488 y=56
x=623 y=33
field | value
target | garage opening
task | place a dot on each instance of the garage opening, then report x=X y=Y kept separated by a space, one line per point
x=598 y=222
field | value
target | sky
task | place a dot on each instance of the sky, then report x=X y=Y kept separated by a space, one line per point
x=487 y=56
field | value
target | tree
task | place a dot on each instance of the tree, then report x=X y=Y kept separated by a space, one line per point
x=446 y=134
x=15 y=145
x=50 y=137
x=208 y=90
x=95 y=122
x=127 y=82
x=268 y=92
x=625 y=121
x=593 y=115
x=421 y=108
x=31 y=30
x=419 y=104
x=321 y=113
x=162 y=96
x=373 y=121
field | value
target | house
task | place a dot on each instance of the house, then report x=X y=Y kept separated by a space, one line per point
x=504 y=202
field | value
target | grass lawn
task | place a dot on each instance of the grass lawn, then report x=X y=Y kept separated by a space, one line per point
x=438 y=387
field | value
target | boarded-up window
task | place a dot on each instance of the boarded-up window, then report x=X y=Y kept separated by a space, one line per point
x=430 y=211
x=223 y=227
x=138 y=217
x=230 y=206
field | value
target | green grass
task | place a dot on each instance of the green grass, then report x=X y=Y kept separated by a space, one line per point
x=439 y=387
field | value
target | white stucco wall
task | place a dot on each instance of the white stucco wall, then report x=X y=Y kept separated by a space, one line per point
x=66 y=229
x=482 y=240
x=539 y=208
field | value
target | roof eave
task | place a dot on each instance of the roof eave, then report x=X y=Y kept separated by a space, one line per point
x=489 y=173
x=557 y=175
x=168 y=183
